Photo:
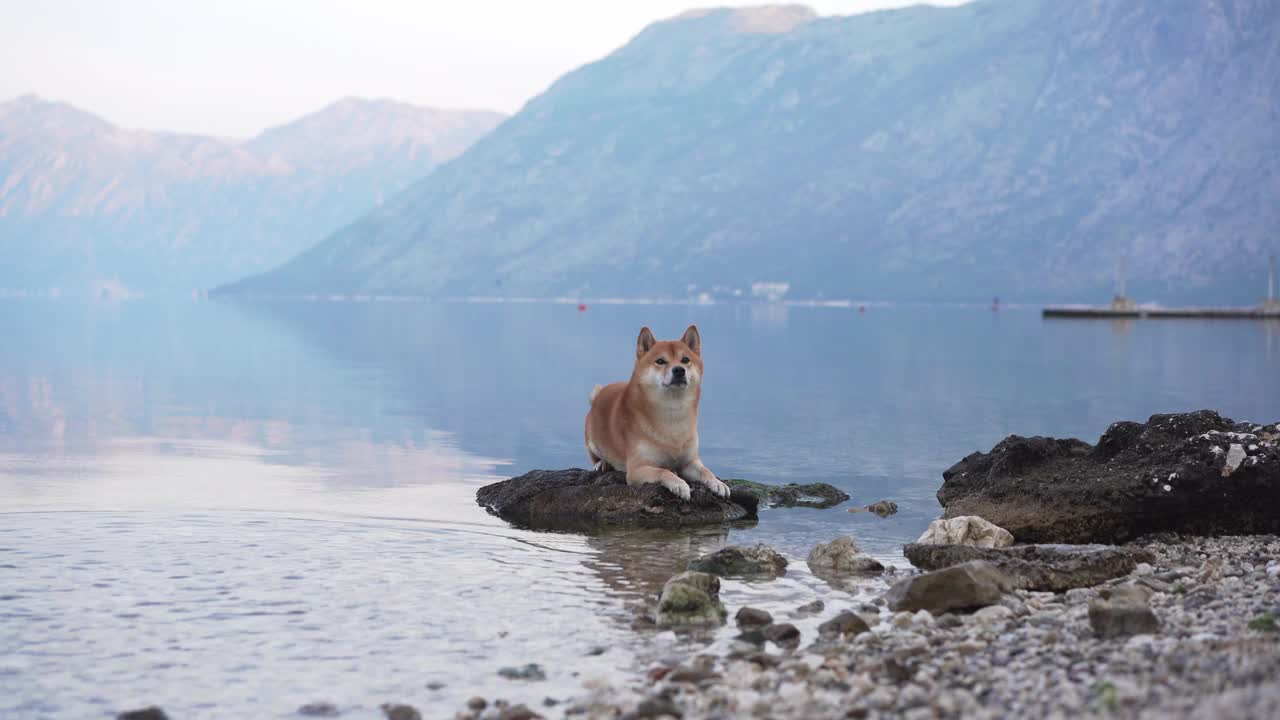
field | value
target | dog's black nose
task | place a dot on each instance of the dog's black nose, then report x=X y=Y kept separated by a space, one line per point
x=677 y=371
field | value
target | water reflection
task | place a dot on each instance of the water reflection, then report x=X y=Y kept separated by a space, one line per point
x=226 y=508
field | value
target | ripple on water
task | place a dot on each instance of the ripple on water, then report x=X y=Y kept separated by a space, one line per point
x=271 y=611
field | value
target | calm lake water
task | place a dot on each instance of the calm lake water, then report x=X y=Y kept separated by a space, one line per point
x=230 y=510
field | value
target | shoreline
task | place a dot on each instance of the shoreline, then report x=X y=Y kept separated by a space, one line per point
x=1215 y=654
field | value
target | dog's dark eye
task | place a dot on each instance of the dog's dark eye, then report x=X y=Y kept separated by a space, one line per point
x=684 y=361
x=662 y=361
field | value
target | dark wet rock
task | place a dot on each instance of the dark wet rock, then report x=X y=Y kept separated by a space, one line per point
x=1123 y=611
x=753 y=635
x=814 y=495
x=784 y=634
x=883 y=508
x=532 y=671
x=400 y=712
x=150 y=713
x=518 y=712
x=583 y=500
x=657 y=706
x=810 y=608
x=841 y=557
x=1173 y=473
x=690 y=598
x=735 y=560
x=846 y=624
x=749 y=617
x=319 y=709
x=967 y=586
x=1037 y=567
x=477 y=703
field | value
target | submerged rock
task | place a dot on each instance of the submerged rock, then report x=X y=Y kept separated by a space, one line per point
x=149 y=713
x=815 y=495
x=1174 y=473
x=846 y=624
x=966 y=530
x=967 y=586
x=1123 y=611
x=735 y=560
x=1037 y=567
x=782 y=634
x=841 y=557
x=395 y=711
x=691 y=598
x=531 y=671
x=749 y=617
x=319 y=709
x=883 y=508
x=583 y=500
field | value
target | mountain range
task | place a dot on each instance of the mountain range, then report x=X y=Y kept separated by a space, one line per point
x=86 y=206
x=1021 y=148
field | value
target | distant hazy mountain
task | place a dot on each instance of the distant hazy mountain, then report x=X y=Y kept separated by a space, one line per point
x=85 y=204
x=1006 y=147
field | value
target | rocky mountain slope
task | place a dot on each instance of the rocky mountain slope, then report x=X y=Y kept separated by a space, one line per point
x=85 y=205
x=1022 y=148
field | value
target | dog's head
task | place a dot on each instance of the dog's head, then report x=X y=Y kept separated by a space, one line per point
x=673 y=366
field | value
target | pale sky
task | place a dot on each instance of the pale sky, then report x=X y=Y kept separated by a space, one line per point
x=234 y=67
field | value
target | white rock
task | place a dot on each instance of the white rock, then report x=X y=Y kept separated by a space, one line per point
x=1144 y=569
x=992 y=614
x=1235 y=456
x=966 y=530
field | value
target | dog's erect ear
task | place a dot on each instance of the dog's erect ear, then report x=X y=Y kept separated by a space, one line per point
x=645 y=342
x=692 y=339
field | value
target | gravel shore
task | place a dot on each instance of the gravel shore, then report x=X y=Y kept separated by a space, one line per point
x=1216 y=653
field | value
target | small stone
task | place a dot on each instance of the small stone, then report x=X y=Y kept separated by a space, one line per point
x=783 y=634
x=319 y=709
x=149 y=713
x=968 y=585
x=1123 y=611
x=966 y=530
x=846 y=624
x=477 y=703
x=656 y=707
x=691 y=598
x=840 y=557
x=749 y=617
x=992 y=614
x=394 y=711
x=532 y=671
x=735 y=560
x=518 y=712
x=810 y=608
x=883 y=508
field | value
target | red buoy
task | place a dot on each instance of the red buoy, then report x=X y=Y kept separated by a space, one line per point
x=582 y=307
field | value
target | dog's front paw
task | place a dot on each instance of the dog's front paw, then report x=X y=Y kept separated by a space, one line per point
x=678 y=487
x=715 y=485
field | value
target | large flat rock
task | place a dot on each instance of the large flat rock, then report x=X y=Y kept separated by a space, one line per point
x=1194 y=473
x=1037 y=567
x=579 y=499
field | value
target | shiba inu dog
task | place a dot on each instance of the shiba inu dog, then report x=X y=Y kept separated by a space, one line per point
x=648 y=426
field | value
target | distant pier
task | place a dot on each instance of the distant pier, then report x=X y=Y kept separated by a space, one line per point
x=1086 y=311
